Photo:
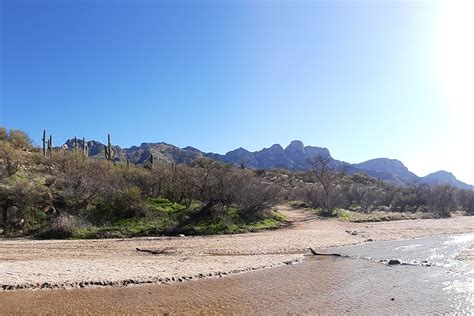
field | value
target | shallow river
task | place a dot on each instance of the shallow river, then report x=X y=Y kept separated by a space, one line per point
x=438 y=277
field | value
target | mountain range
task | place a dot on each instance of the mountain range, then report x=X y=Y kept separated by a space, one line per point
x=294 y=157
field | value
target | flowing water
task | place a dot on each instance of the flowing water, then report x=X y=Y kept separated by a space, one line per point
x=437 y=277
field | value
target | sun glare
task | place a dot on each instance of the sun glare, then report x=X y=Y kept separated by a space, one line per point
x=456 y=56
x=455 y=64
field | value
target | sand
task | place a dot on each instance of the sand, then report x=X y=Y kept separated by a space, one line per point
x=32 y=264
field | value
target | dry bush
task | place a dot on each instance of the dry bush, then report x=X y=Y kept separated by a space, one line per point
x=329 y=179
x=80 y=181
x=465 y=200
x=314 y=196
x=19 y=139
x=255 y=196
x=215 y=183
x=3 y=134
x=63 y=226
x=28 y=199
x=10 y=160
x=442 y=199
x=179 y=183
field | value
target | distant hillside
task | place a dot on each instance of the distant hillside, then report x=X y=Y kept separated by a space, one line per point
x=140 y=154
x=388 y=169
x=444 y=177
x=160 y=151
x=294 y=157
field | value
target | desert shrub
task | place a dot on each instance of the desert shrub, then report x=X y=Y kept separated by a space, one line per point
x=256 y=196
x=19 y=139
x=121 y=176
x=22 y=204
x=80 y=182
x=3 y=134
x=386 y=196
x=10 y=159
x=442 y=199
x=128 y=203
x=465 y=199
x=202 y=196
x=356 y=194
x=179 y=183
x=62 y=226
x=361 y=179
x=125 y=203
x=370 y=199
x=215 y=184
x=314 y=196
x=404 y=200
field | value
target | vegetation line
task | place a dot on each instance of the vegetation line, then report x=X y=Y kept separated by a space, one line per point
x=62 y=192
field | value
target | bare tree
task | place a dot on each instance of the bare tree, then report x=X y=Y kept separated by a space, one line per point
x=387 y=194
x=254 y=195
x=80 y=181
x=356 y=193
x=215 y=185
x=442 y=199
x=465 y=200
x=328 y=178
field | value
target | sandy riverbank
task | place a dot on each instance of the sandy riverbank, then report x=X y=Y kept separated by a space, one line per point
x=92 y=263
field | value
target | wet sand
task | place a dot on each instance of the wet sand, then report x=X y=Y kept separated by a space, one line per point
x=100 y=263
x=356 y=285
x=261 y=292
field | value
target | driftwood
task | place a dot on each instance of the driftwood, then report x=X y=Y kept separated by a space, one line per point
x=155 y=252
x=314 y=253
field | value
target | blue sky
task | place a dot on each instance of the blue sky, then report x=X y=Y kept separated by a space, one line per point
x=364 y=78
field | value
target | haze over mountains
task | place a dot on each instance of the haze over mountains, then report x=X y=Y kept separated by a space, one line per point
x=294 y=157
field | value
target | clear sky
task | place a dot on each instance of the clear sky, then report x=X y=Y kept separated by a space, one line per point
x=366 y=79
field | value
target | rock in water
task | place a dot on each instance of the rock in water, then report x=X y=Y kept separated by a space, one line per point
x=393 y=262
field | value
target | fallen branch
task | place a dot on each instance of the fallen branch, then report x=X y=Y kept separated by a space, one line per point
x=325 y=254
x=155 y=252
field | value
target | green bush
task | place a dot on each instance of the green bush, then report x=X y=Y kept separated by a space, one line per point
x=128 y=203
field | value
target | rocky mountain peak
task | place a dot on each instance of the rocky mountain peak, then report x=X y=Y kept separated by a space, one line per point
x=295 y=156
x=275 y=147
x=295 y=146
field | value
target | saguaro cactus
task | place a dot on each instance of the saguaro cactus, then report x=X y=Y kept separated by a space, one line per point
x=50 y=145
x=85 y=148
x=148 y=164
x=109 y=152
x=44 y=142
x=47 y=144
x=75 y=144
